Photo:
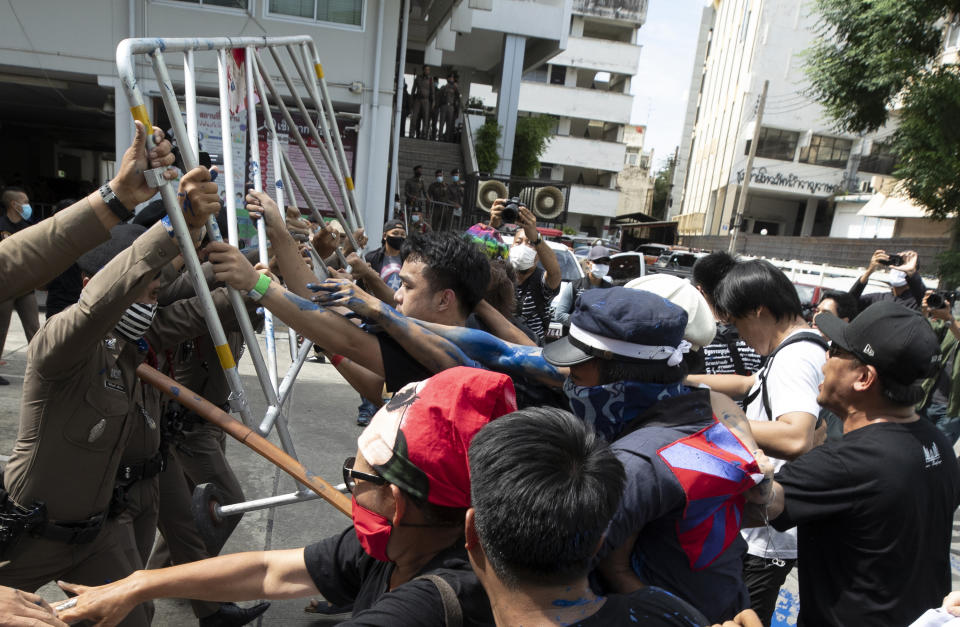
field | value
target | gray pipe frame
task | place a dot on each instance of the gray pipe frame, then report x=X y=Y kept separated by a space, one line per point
x=324 y=92
x=265 y=78
x=237 y=398
x=236 y=300
x=333 y=161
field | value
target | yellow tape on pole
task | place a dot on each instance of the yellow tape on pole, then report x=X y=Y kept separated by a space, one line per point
x=319 y=68
x=349 y=183
x=226 y=357
x=139 y=112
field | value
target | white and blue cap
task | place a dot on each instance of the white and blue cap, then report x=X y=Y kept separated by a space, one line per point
x=623 y=325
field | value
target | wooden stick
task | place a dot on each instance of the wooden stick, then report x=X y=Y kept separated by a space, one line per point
x=245 y=435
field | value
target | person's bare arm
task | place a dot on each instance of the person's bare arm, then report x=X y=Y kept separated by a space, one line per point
x=328 y=329
x=295 y=272
x=733 y=385
x=616 y=569
x=371 y=278
x=500 y=326
x=429 y=349
x=759 y=514
x=237 y=577
x=368 y=384
x=548 y=258
x=730 y=414
x=787 y=437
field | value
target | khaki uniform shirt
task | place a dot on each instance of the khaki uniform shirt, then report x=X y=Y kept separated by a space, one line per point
x=37 y=255
x=79 y=390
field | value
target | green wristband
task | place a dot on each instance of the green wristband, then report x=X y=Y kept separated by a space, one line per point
x=260 y=289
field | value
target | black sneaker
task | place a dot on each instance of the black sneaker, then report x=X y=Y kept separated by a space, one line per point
x=4 y=381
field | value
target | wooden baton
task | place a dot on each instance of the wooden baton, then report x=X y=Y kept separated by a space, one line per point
x=245 y=435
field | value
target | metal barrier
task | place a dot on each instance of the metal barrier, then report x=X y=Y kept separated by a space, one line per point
x=301 y=52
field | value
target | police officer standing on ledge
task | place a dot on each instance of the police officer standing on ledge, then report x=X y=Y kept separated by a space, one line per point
x=78 y=408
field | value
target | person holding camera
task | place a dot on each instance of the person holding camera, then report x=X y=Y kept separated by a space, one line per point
x=536 y=287
x=941 y=390
x=906 y=286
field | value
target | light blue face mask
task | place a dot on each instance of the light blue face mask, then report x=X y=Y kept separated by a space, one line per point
x=26 y=211
x=456 y=178
x=610 y=407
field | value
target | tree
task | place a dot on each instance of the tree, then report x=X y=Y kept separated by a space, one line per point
x=875 y=54
x=533 y=134
x=661 y=188
x=488 y=136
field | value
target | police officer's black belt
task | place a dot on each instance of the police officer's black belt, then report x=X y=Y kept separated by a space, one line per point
x=81 y=532
x=131 y=473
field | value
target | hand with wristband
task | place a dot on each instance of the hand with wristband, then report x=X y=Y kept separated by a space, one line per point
x=233 y=268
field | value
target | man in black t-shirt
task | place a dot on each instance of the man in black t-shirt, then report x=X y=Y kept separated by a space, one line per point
x=544 y=487
x=874 y=509
x=402 y=563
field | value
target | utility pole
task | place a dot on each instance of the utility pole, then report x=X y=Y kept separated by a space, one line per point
x=748 y=170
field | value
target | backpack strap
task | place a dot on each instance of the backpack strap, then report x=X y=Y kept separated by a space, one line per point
x=806 y=336
x=452 y=611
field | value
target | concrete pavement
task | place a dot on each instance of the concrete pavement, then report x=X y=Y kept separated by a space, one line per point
x=322 y=414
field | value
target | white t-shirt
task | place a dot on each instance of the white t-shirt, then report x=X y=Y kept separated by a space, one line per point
x=793 y=383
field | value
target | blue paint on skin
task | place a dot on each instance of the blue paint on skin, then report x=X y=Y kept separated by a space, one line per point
x=175 y=390
x=302 y=303
x=575 y=602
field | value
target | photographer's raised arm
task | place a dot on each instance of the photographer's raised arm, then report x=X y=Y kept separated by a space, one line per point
x=36 y=255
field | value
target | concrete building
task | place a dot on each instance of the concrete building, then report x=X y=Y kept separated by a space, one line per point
x=801 y=161
x=64 y=116
x=634 y=181
x=586 y=87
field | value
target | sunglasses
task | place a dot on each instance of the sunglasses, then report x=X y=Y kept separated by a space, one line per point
x=349 y=474
x=836 y=351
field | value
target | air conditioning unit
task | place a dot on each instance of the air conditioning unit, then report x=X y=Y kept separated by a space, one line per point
x=865 y=187
x=488 y=191
x=547 y=202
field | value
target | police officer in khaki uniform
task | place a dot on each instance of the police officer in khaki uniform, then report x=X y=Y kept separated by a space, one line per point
x=449 y=97
x=422 y=97
x=36 y=255
x=78 y=412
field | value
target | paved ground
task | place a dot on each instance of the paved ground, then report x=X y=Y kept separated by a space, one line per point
x=322 y=414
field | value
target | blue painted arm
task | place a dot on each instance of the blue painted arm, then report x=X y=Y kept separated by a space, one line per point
x=495 y=354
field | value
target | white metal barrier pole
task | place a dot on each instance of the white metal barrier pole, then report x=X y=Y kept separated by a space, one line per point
x=325 y=98
x=252 y=128
x=190 y=99
x=238 y=402
x=227 y=149
x=236 y=300
x=264 y=79
x=331 y=130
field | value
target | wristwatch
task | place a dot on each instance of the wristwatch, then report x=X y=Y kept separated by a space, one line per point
x=538 y=242
x=117 y=207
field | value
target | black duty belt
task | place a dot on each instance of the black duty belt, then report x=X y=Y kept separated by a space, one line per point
x=16 y=520
x=79 y=532
x=128 y=474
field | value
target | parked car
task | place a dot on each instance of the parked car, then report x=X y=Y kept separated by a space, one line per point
x=677 y=262
x=624 y=267
x=652 y=252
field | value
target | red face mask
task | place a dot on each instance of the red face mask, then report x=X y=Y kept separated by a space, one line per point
x=373 y=531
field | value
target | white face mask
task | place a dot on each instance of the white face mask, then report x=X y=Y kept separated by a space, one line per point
x=600 y=270
x=898 y=278
x=522 y=257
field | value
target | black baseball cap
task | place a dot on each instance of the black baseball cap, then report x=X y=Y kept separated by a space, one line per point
x=897 y=341
x=389 y=225
x=623 y=325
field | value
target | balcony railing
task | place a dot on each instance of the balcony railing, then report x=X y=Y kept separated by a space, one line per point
x=632 y=10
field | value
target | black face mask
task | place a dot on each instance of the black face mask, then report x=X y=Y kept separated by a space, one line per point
x=395 y=241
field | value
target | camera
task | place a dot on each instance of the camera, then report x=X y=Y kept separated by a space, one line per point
x=938 y=300
x=893 y=260
x=511 y=211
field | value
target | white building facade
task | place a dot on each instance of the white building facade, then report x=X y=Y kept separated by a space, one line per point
x=801 y=162
x=587 y=89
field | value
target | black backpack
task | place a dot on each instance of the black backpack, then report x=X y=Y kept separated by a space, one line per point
x=806 y=336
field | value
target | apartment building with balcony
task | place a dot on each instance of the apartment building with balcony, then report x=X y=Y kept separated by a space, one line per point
x=586 y=87
x=801 y=162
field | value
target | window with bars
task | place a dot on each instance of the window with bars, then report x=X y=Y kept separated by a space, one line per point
x=775 y=143
x=832 y=152
x=348 y=12
x=881 y=159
